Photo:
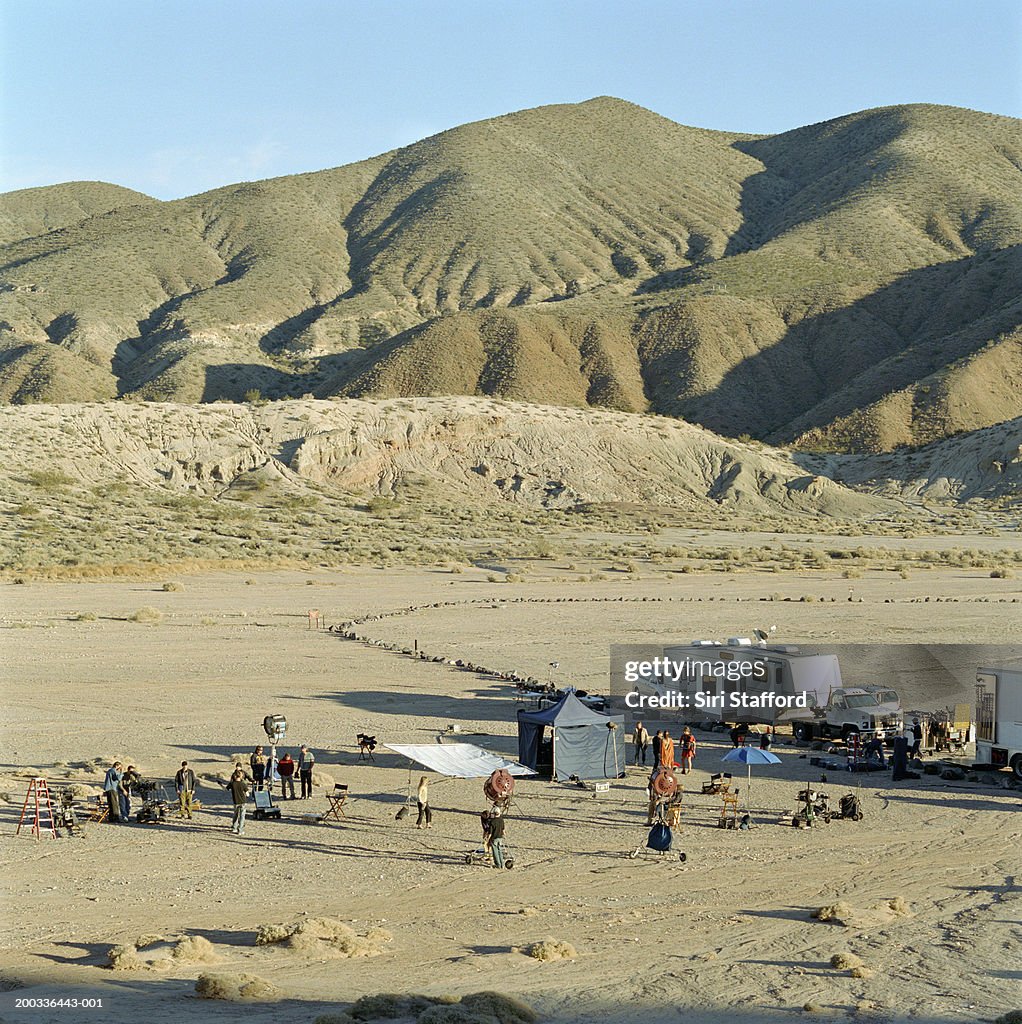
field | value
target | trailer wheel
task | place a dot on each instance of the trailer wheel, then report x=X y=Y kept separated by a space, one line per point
x=847 y=731
x=1016 y=766
x=803 y=732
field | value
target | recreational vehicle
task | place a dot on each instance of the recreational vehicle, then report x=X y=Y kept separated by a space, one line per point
x=999 y=718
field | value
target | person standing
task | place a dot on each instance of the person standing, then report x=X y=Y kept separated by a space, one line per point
x=641 y=738
x=130 y=779
x=654 y=799
x=917 y=737
x=286 y=771
x=667 y=751
x=306 y=762
x=497 y=838
x=658 y=742
x=112 y=789
x=687 y=743
x=766 y=739
x=184 y=783
x=422 y=799
x=257 y=761
x=238 y=788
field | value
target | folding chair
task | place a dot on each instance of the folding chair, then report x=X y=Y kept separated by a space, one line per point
x=366 y=746
x=100 y=810
x=729 y=811
x=336 y=800
x=719 y=783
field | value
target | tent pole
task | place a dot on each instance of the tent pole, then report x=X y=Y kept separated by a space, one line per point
x=553 y=754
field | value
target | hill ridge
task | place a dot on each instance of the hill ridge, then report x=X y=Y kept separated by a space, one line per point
x=594 y=253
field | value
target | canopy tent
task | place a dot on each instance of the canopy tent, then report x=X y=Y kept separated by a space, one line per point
x=583 y=742
x=458 y=760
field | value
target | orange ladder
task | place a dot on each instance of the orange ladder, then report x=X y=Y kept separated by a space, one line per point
x=38 y=796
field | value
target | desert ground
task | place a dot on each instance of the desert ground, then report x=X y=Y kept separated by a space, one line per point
x=727 y=933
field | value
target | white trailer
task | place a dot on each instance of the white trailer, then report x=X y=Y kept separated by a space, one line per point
x=999 y=718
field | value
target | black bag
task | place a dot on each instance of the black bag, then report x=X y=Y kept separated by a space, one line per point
x=850 y=807
x=660 y=838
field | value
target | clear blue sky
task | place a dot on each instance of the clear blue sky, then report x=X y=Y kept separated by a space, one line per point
x=180 y=96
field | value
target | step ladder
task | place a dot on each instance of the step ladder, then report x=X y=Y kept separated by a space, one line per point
x=41 y=812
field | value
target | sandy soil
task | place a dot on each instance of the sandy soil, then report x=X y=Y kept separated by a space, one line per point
x=726 y=933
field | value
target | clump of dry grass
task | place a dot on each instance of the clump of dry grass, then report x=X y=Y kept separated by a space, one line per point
x=843 y=913
x=478 y=1008
x=146 y=939
x=146 y=614
x=550 y=949
x=125 y=958
x=195 y=949
x=80 y=791
x=845 y=961
x=324 y=936
x=862 y=971
x=391 y=1006
x=899 y=906
x=839 y=912
x=172 y=587
x=497 y=1006
x=237 y=988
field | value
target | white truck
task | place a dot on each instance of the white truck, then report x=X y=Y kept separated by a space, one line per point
x=999 y=718
x=778 y=684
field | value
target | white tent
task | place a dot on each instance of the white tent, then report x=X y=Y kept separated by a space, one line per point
x=458 y=760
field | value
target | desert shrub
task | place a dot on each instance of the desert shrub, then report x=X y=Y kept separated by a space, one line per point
x=195 y=949
x=48 y=479
x=173 y=588
x=551 y=949
x=146 y=614
x=237 y=988
x=125 y=958
x=845 y=961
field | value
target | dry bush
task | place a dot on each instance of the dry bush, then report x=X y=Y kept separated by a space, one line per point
x=195 y=949
x=862 y=971
x=80 y=791
x=125 y=958
x=838 y=912
x=237 y=988
x=899 y=907
x=172 y=588
x=324 y=936
x=146 y=614
x=504 y=1009
x=391 y=1006
x=845 y=961
x=550 y=949
x=148 y=940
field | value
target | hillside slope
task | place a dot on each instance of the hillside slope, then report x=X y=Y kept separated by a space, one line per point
x=846 y=285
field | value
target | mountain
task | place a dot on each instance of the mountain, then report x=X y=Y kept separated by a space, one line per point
x=851 y=285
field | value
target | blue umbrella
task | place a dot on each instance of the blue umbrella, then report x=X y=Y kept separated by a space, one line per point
x=750 y=756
